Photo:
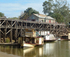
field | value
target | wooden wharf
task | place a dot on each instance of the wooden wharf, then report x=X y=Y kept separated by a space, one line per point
x=14 y=28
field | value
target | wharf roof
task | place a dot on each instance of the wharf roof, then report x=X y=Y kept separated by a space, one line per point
x=44 y=16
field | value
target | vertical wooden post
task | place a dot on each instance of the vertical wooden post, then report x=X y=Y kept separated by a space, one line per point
x=11 y=33
x=5 y=31
x=15 y=35
x=0 y=30
x=21 y=28
x=11 y=36
x=21 y=32
x=40 y=32
x=26 y=24
x=5 y=35
x=0 y=34
x=50 y=28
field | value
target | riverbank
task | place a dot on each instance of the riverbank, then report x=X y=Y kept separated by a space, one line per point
x=2 y=54
x=12 y=44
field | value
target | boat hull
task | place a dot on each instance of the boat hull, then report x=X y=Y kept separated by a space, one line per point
x=59 y=39
x=29 y=45
x=49 y=40
x=66 y=39
x=39 y=44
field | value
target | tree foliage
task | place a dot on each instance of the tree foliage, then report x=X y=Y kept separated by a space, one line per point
x=58 y=17
x=13 y=18
x=59 y=10
x=27 y=13
x=1 y=14
x=47 y=7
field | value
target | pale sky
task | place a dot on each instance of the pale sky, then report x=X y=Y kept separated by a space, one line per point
x=13 y=8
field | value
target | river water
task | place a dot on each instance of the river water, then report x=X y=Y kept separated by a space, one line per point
x=49 y=49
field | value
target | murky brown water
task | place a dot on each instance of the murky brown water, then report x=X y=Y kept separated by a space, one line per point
x=53 y=49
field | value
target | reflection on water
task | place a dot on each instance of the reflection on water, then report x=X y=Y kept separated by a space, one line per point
x=49 y=49
x=54 y=49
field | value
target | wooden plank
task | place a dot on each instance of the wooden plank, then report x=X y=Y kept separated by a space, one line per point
x=2 y=23
x=9 y=31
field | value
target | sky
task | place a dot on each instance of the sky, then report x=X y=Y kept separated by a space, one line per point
x=14 y=8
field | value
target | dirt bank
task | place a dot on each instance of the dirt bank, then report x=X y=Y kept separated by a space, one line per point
x=2 y=54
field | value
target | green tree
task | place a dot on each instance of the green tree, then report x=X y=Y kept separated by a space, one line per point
x=14 y=18
x=59 y=10
x=62 y=8
x=1 y=14
x=59 y=18
x=47 y=6
x=27 y=13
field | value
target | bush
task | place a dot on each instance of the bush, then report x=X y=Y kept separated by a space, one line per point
x=7 y=40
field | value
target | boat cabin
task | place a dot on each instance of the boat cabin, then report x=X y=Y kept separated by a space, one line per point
x=32 y=41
